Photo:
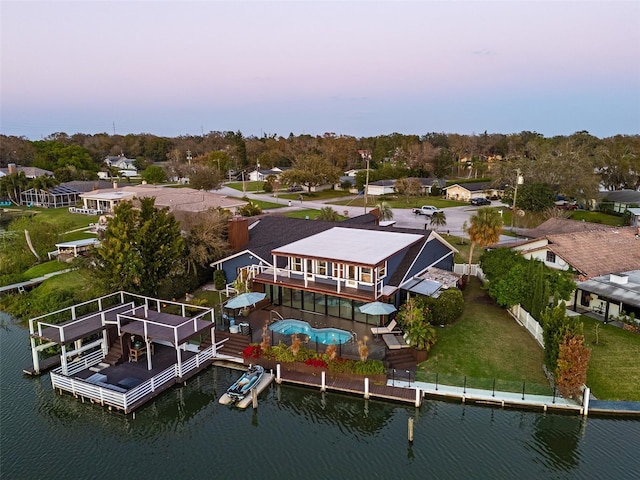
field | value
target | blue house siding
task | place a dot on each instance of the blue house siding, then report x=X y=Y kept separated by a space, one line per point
x=230 y=267
x=431 y=256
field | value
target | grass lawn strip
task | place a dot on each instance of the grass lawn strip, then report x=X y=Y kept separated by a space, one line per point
x=614 y=367
x=486 y=344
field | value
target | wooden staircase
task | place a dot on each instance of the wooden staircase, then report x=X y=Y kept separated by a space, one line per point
x=402 y=359
x=234 y=345
x=115 y=354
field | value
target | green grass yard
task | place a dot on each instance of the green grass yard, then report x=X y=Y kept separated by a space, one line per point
x=614 y=367
x=486 y=344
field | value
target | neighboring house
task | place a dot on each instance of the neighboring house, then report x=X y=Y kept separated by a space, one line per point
x=76 y=248
x=176 y=199
x=52 y=197
x=331 y=268
x=464 y=192
x=428 y=184
x=619 y=200
x=29 y=172
x=635 y=216
x=260 y=175
x=610 y=295
x=381 y=187
x=120 y=162
x=596 y=253
x=347 y=180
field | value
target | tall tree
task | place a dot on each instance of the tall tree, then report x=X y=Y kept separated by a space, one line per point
x=484 y=230
x=573 y=362
x=408 y=187
x=141 y=248
x=311 y=171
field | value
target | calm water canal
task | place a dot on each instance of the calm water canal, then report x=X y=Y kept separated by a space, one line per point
x=296 y=433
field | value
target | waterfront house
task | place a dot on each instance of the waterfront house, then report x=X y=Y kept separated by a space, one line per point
x=331 y=268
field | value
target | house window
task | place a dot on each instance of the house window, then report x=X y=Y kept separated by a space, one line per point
x=366 y=274
x=551 y=257
x=296 y=264
x=322 y=267
x=382 y=270
x=309 y=266
x=351 y=272
x=337 y=270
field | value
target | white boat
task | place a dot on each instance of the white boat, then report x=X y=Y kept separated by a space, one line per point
x=249 y=379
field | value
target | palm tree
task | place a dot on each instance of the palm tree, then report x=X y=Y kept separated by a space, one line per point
x=485 y=229
x=386 y=212
x=438 y=219
x=328 y=214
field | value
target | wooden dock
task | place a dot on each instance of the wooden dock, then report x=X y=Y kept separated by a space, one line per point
x=353 y=387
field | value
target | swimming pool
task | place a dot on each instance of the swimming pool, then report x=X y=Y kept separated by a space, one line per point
x=325 y=336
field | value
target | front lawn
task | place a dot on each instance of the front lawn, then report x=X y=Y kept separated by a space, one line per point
x=253 y=187
x=308 y=214
x=399 y=202
x=486 y=344
x=614 y=367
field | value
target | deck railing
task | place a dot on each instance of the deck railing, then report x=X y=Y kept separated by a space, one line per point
x=123 y=401
x=82 y=363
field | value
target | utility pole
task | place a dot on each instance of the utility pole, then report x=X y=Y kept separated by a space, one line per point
x=519 y=181
x=366 y=185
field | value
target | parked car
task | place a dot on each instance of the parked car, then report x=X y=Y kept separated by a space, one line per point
x=480 y=201
x=427 y=210
x=294 y=188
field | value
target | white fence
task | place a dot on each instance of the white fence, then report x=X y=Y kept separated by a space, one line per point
x=527 y=321
x=463 y=269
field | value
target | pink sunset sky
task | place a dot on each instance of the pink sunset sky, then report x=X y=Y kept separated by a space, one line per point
x=359 y=68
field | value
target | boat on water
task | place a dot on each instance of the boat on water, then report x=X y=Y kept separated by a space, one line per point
x=249 y=379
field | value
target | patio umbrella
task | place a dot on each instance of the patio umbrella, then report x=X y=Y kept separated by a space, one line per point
x=245 y=299
x=377 y=308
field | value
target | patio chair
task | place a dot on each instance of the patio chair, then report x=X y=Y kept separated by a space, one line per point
x=391 y=328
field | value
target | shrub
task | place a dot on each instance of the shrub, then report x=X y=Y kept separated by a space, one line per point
x=447 y=308
x=219 y=279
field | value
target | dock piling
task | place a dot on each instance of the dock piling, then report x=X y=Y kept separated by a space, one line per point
x=410 y=430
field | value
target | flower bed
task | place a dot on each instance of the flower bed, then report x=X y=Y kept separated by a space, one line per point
x=308 y=362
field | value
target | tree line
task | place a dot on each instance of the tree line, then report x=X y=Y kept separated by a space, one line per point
x=576 y=165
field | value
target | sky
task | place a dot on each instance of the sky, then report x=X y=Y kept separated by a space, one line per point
x=359 y=68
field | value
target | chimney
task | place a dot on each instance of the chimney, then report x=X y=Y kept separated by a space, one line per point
x=12 y=168
x=238 y=231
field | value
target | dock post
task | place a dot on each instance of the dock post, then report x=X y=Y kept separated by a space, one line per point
x=585 y=400
x=278 y=379
x=410 y=430
x=254 y=398
x=323 y=377
x=366 y=387
x=418 y=397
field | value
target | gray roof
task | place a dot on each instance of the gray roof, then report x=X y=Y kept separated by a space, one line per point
x=623 y=196
x=603 y=285
x=473 y=186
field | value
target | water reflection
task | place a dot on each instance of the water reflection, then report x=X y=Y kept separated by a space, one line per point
x=558 y=437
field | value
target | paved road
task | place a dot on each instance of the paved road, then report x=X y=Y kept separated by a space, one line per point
x=404 y=218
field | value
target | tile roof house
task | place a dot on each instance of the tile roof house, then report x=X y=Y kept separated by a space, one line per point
x=601 y=256
x=590 y=253
x=331 y=268
x=181 y=199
